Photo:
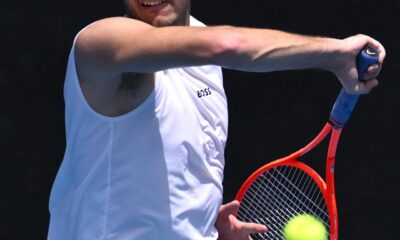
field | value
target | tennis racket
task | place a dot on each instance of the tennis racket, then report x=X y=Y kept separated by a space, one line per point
x=285 y=188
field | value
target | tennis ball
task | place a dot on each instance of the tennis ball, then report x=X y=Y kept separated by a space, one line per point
x=305 y=227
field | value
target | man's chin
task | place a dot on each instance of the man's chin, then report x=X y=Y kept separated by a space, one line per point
x=164 y=21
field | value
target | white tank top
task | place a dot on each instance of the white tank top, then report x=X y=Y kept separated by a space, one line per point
x=153 y=173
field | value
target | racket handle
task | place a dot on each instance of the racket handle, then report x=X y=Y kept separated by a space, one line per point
x=345 y=102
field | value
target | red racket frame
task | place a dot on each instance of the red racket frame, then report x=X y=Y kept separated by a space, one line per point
x=327 y=187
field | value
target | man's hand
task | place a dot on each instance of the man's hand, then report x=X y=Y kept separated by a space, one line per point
x=230 y=228
x=345 y=65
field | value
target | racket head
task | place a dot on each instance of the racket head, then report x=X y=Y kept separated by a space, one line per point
x=281 y=190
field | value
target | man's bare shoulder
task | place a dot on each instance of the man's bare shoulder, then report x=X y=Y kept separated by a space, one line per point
x=99 y=44
x=115 y=22
x=107 y=31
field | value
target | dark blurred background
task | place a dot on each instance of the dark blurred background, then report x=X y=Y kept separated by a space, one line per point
x=271 y=114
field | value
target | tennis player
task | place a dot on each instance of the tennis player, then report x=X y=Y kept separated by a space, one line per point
x=146 y=120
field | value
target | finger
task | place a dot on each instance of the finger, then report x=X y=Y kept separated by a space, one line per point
x=249 y=228
x=378 y=46
x=229 y=208
x=372 y=72
x=364 y=87
x=370 y=84
x=254 y=228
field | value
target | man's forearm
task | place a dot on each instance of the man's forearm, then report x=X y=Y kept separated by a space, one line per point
x=263 y=50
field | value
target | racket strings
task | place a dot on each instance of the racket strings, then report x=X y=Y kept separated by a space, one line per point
x=278 y=195
x=305 y=199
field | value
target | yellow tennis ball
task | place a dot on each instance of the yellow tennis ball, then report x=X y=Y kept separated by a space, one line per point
x=305 y=227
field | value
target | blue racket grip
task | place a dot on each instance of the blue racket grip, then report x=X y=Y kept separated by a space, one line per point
x=345 y=102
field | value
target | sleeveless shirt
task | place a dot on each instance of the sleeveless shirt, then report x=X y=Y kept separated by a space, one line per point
x=153 y=173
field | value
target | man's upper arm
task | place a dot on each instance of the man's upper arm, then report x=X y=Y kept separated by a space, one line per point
x=118 y=45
